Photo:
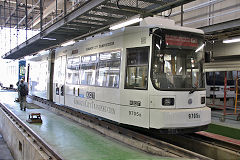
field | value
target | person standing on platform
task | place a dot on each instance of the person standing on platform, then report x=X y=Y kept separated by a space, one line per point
x=23 y=92
x=17 y=99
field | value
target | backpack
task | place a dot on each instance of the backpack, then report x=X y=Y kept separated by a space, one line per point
x=23 y=90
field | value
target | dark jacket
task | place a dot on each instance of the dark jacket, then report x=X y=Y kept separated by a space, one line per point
x=24 y=84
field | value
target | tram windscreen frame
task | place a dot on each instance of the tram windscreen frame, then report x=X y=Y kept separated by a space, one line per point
x=177 y=59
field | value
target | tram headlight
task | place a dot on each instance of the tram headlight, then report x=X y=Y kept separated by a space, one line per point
x=203 y=99
x=168 y=101
x=214 y=89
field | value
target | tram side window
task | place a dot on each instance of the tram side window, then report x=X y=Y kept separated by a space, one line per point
x=217 y=78
x=57 y=70
x=88 y=70
x=137 y=68
x=108 y=69
x=73 y=71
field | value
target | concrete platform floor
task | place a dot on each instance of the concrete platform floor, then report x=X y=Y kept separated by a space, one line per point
x=228 y=128
x=230 y=120
x=4 y=151
x=71 y=140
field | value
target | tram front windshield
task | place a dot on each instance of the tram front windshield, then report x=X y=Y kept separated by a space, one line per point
x=177 y=60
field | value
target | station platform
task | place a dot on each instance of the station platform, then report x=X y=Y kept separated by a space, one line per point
x=230 y=127
x=71 y=140
x=230 y=120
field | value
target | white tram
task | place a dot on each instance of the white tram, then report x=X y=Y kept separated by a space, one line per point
x=215 y=85
x=149 y=76
x=12 y=72
x=39 y=75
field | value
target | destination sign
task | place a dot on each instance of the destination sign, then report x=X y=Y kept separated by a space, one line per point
x=174 y=40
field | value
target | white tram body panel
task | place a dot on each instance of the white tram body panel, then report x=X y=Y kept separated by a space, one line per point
x=38 y=75
x=100 y=76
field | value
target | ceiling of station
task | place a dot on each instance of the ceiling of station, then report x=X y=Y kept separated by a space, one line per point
x=222 y=31
x=83 y=18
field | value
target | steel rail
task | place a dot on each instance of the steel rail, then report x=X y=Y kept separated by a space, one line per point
x=205 y=145
x=170 y=148
x=224 y=144
x=29 y=131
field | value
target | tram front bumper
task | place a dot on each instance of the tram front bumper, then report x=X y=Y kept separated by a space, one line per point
x=179 y=118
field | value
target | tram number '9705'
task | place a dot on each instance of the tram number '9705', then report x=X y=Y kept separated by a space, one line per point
x=193 y=116
x=134 y=113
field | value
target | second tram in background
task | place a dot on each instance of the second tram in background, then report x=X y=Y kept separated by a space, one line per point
x=215 y=84
x=12 y=72
x=148 y=76
x=215 y=87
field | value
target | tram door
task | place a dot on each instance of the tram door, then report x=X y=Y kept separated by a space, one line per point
x=59 y=80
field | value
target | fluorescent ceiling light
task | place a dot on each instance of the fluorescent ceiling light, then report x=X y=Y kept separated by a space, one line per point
x=68 y=43
x=28 y=57
x=180 y=69
x=126 y=23
x=232 y=40
x=199 y=48
x=157 y=45
x=50 y=39
x=42 y=52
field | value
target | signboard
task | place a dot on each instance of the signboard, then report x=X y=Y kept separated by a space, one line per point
x=22 y=70
x=173 y=41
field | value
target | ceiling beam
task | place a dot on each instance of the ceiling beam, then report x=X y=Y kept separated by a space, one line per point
x=221 y=26
x=49 y=10
x=106 y=18
x=89 y=20
x=114 y=11
x=157 y=2
x=169 y=5
x=29 y=11
x=10 y=16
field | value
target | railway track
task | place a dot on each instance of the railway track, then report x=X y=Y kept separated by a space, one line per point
x=49 y=152
x=204 y=145
x=130 y=137
x=186 y=146
x=191 y=146
x=194 y=145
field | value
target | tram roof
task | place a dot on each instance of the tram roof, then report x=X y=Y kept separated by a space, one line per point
x=163 y=23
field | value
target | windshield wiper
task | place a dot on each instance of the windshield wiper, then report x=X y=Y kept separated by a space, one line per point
x=192 y=90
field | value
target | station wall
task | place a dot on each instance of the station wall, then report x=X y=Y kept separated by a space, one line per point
x=224 y=50
x=22 y=147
